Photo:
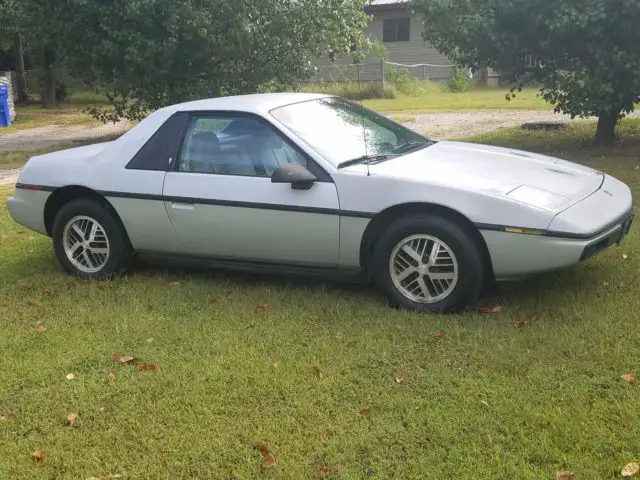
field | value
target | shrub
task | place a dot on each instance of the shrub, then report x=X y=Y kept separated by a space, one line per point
x=350 y=90
x=460 y=81
x=406 y=84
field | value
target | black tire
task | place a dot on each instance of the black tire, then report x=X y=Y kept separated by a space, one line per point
x=120 y=252
x=461 y=243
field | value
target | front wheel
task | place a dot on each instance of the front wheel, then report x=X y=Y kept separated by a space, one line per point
x=428 y=263
x=88 y=241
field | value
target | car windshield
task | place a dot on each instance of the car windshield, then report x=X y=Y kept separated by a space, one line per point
x=345 y=133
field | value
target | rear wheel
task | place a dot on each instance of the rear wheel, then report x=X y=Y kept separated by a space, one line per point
x=88 y=241
x=428 y=263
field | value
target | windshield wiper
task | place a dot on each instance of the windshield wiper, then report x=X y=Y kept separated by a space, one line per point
x=365 y=159
x=405 y=147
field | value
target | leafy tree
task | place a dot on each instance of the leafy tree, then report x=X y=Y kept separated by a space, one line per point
x=145 y=54
x=41 y=25
x=589 y=50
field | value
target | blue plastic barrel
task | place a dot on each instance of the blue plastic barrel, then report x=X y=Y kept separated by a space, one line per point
x=5 y=114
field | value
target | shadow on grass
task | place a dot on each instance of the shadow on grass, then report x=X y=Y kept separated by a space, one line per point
x=578 y=284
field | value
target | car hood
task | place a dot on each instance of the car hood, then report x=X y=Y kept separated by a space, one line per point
x=537 y=180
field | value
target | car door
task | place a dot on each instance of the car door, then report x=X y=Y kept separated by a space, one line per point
x=222 y=203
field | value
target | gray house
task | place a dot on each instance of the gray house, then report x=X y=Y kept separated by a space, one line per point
x=400 y=32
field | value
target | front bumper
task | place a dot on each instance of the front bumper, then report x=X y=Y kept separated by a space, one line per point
x=576 y=234
x=615 y=236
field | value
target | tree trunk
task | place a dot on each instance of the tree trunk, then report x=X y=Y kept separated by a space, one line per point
x=48 y=95
x=483 y=78
x=23 y=93
x=606 y=133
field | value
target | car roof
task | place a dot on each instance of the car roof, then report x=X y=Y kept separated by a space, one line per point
x=252 y=103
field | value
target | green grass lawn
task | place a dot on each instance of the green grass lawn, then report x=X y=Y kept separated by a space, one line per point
x=479 y=99
x=333 y=382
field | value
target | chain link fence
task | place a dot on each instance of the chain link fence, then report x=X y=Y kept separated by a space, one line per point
x=425 y=71
x=377 y=71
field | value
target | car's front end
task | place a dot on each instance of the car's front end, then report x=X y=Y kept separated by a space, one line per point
x=575 y=234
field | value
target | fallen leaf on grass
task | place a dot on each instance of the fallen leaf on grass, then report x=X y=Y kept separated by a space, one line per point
x=319 y=373
x=631 y=470
x=629 y=377
x=486 y=404
x=173 y=284
x=263 y=448
x=47 y=292
x=37 y=456
x=149 y=340
x=116 y=357
x=564 y=475
x=269 y=460
x=39 y=327
x=146 y=367
x=366 y=412
x=440 y=334
x=493 y=309
x=72 y=419
x=325 y=470
x=526 y=321
x=263 y=308
x=5 y=417
x=276 y=365
x=110 y=378
x=28 y=303
x=625 y=256
x=213 y=301
x=69 y=376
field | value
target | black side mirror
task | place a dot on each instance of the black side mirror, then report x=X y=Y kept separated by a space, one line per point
x=299 y=177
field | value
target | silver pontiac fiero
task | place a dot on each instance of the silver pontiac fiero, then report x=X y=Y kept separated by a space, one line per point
x=315 y=184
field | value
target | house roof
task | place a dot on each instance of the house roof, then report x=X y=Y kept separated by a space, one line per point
x=375 y=3
x=386 y=4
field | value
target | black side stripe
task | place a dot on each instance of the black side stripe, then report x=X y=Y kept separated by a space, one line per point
x=233 y=203
x=321 y=211
x=222 y=203
x=41 y=188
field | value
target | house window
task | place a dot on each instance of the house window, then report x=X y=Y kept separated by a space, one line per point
x=396 y=30
x=530 y=62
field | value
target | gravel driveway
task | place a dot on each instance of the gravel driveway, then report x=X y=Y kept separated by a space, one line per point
x=451 y=125
x=439 y=126
x=43 y=137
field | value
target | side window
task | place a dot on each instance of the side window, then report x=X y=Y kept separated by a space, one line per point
x=396 y=30
x=234 y=145
x=163 y=145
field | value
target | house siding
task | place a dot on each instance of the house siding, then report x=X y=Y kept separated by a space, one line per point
x=413 y=52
